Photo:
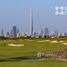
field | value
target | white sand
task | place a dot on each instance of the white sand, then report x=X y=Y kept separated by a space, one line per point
x=44 y=41
x=29 y=40
x=54 y=42
x=64 y=43
x=61 y=41
x=15 y=45
x=47 y=40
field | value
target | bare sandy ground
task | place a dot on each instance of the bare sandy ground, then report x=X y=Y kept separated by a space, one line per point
x=29 y=40
x=61 y=41
x=16 y=45
x=55 y=41
x=64 y=43
x=44 y=41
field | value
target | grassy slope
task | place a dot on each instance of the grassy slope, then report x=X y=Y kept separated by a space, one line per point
x=30 y=50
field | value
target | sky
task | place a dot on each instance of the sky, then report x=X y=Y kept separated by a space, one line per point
x=16 y=13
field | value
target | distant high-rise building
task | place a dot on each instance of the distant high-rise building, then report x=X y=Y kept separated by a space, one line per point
x=18 y=33
x=56 y=33
x=31 y=23
x=11 y=34
x=2 y=33
x=14 y=31
x=36 y=34
x=46 y=32
x=65 y=33
x=41 y=33
x=7 y=34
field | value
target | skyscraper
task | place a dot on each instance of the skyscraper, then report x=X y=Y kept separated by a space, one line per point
x=2 y=34
x=46 y=32
x=7 y=34
x=56 y=33
x=14 y=31
x=41 y=33
x=31 y=23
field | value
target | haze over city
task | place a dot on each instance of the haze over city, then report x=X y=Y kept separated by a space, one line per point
x=17 y=12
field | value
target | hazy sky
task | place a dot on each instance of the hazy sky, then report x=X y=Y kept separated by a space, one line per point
x=16 y=12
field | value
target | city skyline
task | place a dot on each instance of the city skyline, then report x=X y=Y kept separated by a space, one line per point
x=15 y=32
x=16 y=13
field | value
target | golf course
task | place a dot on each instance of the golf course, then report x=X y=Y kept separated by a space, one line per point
x=23 y=52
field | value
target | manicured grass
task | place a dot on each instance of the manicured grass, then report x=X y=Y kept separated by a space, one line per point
x=30 y=49
x=46 y=63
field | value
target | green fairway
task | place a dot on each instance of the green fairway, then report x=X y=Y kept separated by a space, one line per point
x=29 y=50
x=34 y=64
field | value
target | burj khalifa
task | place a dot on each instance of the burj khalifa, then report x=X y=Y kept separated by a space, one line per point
x=31 y=22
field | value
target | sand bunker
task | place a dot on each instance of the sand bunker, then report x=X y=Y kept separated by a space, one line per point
x=64 y=43
x=29 y=40
x=15 y=45
x=54 y=42
x=44 y=41
x=61 y=41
